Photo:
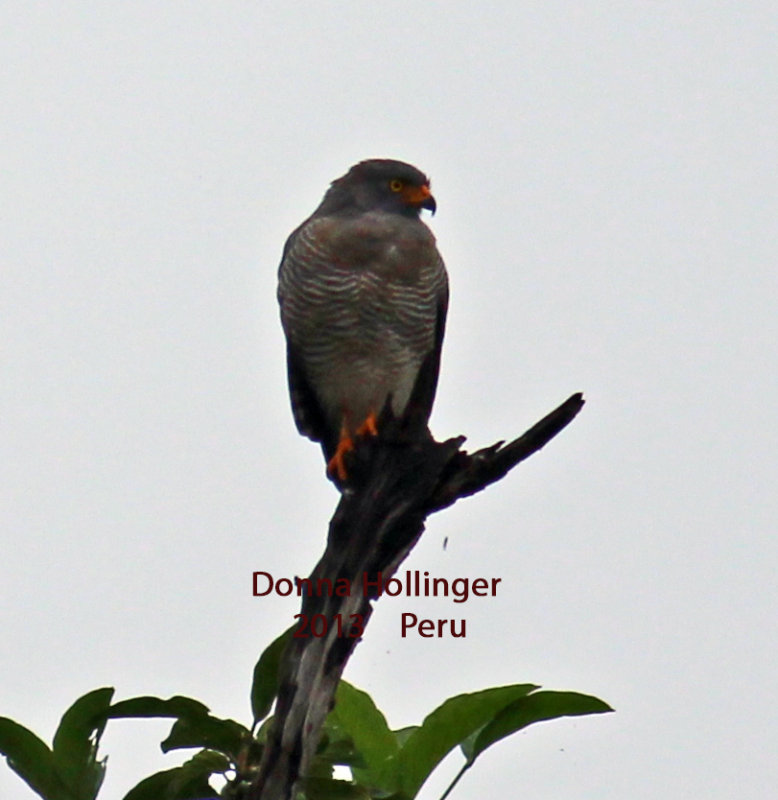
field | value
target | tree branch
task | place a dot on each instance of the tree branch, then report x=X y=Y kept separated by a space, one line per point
x=396 y=481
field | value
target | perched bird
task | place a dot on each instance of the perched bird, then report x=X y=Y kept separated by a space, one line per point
x=363 y=294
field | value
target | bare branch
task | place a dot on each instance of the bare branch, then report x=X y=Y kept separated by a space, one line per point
x=396 y=481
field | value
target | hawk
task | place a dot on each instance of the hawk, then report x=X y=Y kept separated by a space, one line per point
x=363 y=293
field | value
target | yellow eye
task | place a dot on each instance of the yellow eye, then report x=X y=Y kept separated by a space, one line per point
x=396 y=185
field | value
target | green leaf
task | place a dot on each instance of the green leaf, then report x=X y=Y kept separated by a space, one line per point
x=328 y=789
x=525 y=711
x=224 y=735
x=336 y=745
x=207 y=762
x=172 y=784
x=187 y=782
x=401 y=735
x=264 y=729
x=535 y=707
x=342 y=753
x=194 y=726
x=358 y=715
x=155 y=787
x=148 y=706
x=319 y=768
x=76 y=742
x=445 y=728
x=264 y=686
x=32 y=760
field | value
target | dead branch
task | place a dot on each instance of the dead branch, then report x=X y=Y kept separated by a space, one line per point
x=396 y=481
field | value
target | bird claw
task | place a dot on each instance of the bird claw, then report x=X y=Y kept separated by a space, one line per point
x=337 y=464
x=369 y=427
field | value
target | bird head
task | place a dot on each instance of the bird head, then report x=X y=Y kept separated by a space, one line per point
x=380 y=184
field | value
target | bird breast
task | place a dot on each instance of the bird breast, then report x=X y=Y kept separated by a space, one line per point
x=359 y=301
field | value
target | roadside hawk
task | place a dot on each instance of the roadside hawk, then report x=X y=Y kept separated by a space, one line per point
x=363 y=294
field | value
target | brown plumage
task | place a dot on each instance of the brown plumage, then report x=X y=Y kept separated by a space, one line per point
x=363 y=294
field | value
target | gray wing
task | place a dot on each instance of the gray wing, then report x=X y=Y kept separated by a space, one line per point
x=423 y=396
x=309 y=416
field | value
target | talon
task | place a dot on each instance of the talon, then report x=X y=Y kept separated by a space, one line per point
x=369 y=426
x=337 y=465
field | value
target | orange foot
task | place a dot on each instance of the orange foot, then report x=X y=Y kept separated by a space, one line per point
x=337 y=464
x=369 y=426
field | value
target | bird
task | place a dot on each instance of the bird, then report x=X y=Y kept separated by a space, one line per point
x=363 y=295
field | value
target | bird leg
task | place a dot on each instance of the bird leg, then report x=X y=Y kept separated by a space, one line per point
x=337 y=464
x=369 y=426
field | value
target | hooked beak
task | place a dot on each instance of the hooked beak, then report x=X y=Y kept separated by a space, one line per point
x=420 y=196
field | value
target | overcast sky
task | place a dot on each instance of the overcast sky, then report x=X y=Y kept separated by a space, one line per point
x=605 y=175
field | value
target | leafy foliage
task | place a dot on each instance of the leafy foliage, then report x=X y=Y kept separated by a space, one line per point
x=190 y=781
x=384 y=763
x=264 y=687
x=70 y=770
x=32 y=760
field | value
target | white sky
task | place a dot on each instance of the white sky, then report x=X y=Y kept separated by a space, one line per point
x=607 y=202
